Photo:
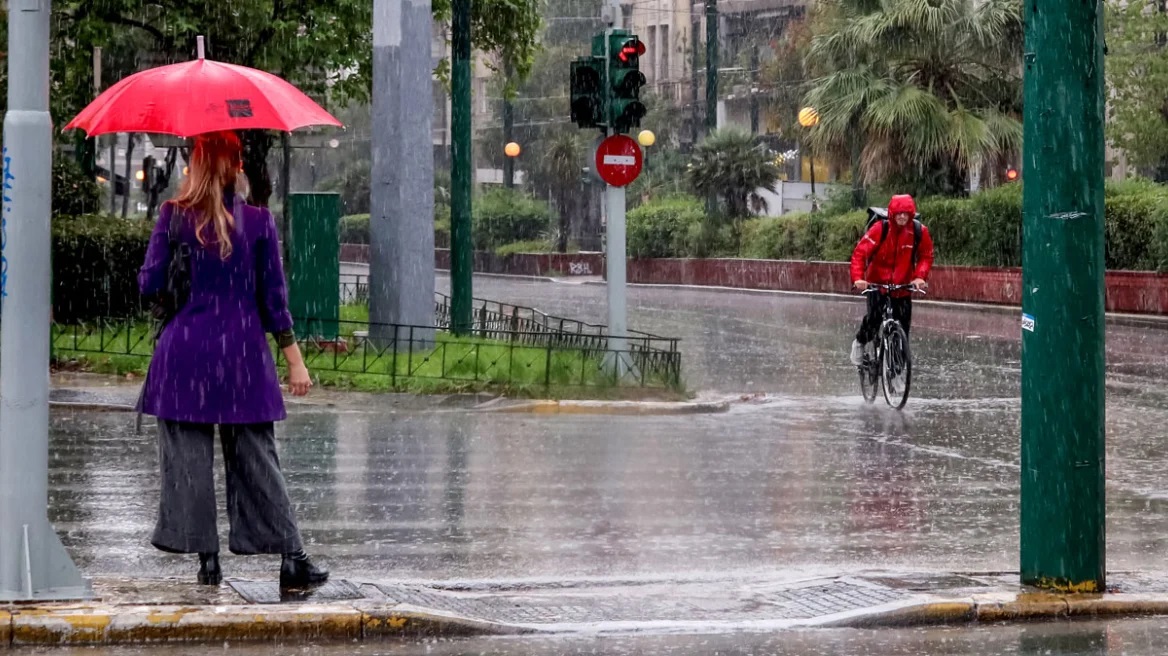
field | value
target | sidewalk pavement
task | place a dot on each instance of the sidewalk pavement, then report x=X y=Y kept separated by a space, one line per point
x=128 y=611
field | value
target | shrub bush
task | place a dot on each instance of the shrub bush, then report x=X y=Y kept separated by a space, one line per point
x=95 y=267
x=796 y=236
x=505 y=216
x=665 y=228
x=74 y=193
x=355 y=229
x=534 y=246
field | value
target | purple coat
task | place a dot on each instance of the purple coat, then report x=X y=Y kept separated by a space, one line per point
x=213 y=363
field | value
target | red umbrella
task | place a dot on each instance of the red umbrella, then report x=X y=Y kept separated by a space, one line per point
x=200 y=96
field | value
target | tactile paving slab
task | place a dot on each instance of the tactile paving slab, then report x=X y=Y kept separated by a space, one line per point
x=663 y=605
x=269 y=592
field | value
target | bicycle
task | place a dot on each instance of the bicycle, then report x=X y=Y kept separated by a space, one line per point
x=887 y=355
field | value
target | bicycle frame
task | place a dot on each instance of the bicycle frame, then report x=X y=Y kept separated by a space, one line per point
x=871 y=366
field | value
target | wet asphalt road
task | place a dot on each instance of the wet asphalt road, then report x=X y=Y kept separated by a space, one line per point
x=811 y=481
x=1094 y=638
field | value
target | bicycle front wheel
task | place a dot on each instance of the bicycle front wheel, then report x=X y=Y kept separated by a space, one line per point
x=896 y=374
x=870 y=372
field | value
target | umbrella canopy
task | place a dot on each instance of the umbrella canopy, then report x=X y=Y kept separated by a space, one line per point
x=197 y=97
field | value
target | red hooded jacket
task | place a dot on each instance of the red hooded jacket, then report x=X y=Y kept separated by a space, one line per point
x=891 y=263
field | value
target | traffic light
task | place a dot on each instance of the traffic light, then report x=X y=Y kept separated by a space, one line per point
x=1011 y=174
x=587 y=103
x=625 y=80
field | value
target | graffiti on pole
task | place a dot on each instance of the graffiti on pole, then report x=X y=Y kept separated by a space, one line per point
x=8 y=179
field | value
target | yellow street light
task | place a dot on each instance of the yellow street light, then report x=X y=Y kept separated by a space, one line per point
x=808 y=117
x=140 y=176
x=512 y=149
x=646 y=138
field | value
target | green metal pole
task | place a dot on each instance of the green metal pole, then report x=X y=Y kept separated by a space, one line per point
x=461 y=253
x=1062 y=510
x=711 y=85
x=711 y=65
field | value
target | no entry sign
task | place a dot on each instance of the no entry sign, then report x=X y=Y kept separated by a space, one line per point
x=619 y=160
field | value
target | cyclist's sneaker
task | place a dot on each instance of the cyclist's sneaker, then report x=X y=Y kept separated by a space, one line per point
x=857 y=353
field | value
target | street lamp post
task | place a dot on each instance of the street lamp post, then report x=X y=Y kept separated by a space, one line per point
x=512 y=150
x=809 y=118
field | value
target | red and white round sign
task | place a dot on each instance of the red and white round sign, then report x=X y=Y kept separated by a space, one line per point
x=619 y=160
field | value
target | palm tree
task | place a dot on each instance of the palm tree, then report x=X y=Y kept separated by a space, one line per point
x=561 y=165
x=907 y=89
x=733 y=165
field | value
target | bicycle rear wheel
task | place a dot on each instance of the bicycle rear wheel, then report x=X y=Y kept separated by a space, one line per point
x=870 y=372
x=896 y=367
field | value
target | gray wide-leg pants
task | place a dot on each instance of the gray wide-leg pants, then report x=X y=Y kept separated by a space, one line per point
x=258 y=507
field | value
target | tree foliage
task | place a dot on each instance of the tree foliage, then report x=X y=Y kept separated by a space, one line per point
x=733 y=165
x=911 y=87
x=1137 y=74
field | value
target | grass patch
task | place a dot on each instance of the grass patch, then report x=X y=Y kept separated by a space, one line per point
x=438 y=363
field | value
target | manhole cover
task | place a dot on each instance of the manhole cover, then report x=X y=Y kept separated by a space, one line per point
x=269 y=592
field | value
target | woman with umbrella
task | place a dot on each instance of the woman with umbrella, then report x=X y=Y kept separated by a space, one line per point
x=212 y=365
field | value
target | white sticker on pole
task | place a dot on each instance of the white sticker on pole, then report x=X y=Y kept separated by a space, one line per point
x=1028 y=322
x=620 y=160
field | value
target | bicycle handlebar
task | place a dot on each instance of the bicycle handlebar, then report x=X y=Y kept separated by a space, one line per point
x=892 y=288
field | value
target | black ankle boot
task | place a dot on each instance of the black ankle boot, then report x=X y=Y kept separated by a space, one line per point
x=297 y=571
x=209 y=572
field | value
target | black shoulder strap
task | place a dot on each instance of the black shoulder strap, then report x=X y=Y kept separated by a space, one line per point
x=175 y=225
x=918 y=228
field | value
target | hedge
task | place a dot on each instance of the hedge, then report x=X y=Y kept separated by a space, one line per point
x=664 y=228
x=499 y=218
x=506 y=216
x=95 y=266
x=983 y=230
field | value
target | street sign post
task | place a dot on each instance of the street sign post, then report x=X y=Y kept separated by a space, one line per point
x=619 y=160
x=618 y=163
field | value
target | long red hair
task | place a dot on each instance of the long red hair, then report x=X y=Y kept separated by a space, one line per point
x=214 y=167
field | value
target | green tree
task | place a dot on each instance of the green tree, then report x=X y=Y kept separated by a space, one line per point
x=1137 y=74
x=324 y=47
x=733 y=165
x=907 y=89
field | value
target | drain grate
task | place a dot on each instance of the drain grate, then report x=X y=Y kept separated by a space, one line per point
x=269 y=592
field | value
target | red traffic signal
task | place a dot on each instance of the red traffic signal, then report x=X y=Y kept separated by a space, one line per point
x=631 y=50
x=1011 y=174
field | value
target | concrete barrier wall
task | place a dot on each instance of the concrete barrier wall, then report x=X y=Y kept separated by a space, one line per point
x=1136 y=292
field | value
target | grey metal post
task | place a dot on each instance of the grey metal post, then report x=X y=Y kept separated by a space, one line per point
x=616 y=261
x=129 y=171
x=33 y=562
x=401 y=272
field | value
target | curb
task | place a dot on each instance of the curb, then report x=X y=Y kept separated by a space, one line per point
x=113 y=625
x=109 y=624
x=629 y=408
x=1011 y=608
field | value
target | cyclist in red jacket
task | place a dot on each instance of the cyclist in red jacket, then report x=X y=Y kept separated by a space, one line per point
x=893 y=252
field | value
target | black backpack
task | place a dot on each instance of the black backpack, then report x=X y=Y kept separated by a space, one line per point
x=881 y=214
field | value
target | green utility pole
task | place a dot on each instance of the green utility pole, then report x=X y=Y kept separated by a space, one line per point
x=461 y=249
x=508 y=127
x=1062 y=512
x=711 y=65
